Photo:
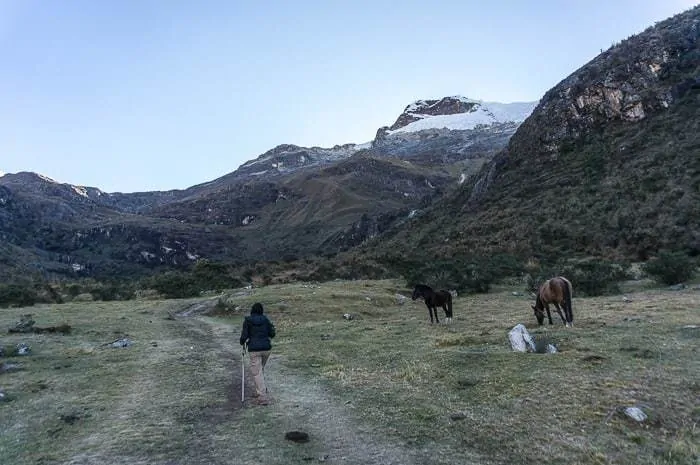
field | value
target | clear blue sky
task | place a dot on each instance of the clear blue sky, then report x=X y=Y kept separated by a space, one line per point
x=154 y=95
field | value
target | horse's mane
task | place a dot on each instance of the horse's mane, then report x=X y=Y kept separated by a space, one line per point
x=423 y=287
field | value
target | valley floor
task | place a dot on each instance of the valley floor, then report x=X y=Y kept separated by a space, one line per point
x=383 y=388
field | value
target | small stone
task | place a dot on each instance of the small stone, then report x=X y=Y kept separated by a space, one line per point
x=635 y=413
x=23 y=349
x=125 y=342
x=297 y=436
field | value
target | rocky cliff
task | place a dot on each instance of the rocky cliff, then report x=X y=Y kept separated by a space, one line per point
x=606 y=165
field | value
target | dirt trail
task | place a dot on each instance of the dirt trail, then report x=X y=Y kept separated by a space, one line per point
x=182 y=406
x=304 y=405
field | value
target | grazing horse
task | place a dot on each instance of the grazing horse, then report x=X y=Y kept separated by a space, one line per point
x=555 y=291
x=433 y=300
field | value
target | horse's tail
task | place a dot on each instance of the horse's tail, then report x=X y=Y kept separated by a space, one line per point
x=568 y=291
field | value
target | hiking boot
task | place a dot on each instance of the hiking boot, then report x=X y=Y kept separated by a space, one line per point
x=262 y=401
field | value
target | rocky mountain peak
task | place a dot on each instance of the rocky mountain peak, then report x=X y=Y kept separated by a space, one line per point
x=457 y=113
x=287 y=158
x=445 y=106
x=38 y=183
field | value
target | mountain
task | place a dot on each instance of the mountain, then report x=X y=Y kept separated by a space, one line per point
x=607 y=164
x=287 y=157
x=290 y=202
x=458 y=112
x=453 y=131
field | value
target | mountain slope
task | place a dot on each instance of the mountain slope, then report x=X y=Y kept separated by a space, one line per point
x=315 y=210
x=608 y=163
x=290 y=202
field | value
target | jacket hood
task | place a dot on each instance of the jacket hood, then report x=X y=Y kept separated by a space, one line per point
x=257 y=309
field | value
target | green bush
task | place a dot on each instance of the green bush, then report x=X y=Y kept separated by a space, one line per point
x=175 y=285
x=670 y=268
x=205 y=276
x=596 y=277
x=589 y=278
x=214 y=276
x=74 y=290
x=112 y=292
x=17 y=295
x=464 y=274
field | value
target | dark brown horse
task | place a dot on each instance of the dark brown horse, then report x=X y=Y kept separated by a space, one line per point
x=433 y=300
x=555 y=291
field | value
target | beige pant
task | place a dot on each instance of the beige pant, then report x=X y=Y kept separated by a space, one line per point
x=257 y=367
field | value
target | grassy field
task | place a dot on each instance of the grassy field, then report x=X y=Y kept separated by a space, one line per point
x=385 y=387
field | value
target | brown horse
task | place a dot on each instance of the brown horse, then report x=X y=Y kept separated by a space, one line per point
x=555 y=291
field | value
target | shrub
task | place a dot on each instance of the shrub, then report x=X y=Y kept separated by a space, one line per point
x=112 y=292
x=590 y=278
x=204 y=276
x=464 y=274
x=175 y=285
x=73 y=290
x=596 y=277
x=214 y=276
x=17 y=295
x=670 y=268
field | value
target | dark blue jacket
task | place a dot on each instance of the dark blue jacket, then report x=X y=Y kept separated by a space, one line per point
x=257 y=331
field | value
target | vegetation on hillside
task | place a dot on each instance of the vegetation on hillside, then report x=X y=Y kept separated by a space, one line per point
x=588 y=184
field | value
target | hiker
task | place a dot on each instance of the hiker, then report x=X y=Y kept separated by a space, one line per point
x=256 y=334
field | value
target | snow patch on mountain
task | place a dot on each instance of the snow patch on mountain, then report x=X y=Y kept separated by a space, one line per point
x=80 y=190
x=288 y=157
x=2 y=173
x=46 y=178
x=426 y=114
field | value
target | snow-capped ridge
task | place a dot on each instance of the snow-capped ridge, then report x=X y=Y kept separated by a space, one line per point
x=289 y=156
x=46 y=178
x=459 y=113
x=413 y=107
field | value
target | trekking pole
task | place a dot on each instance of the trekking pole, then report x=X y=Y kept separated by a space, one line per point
x=243 y=374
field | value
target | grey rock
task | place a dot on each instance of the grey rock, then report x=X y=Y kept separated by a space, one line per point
x=23 y=348
x=124 y=342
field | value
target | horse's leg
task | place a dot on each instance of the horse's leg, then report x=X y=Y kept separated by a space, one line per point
x=549 y=315
x=447 y=318
x=430 y=313
x=436 y=316
x=569 y=314
x=563 y=318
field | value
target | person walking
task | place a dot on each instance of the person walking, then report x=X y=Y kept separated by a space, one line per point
x=256 y=334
